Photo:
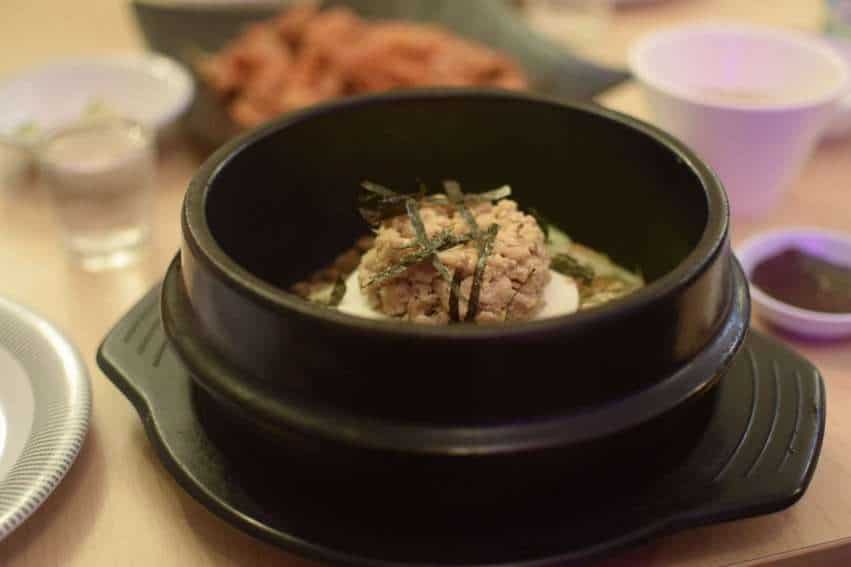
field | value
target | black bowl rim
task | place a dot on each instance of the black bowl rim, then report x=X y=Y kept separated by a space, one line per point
x=198 y=236
x=262 y=404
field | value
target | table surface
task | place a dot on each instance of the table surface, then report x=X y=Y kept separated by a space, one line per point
x=119 y=506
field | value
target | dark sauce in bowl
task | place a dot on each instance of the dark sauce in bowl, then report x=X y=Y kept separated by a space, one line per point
x=806 y=281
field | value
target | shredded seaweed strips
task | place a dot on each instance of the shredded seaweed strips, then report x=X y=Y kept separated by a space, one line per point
x=425 y=244
x=378 y=203
x=443 y=241
x=485 y=248
x=483 y=243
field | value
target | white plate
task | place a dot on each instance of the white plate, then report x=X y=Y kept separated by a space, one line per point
x=45 y=403
x=150 y=89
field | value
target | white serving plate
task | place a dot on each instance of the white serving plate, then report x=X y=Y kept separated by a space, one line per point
x=45 y=404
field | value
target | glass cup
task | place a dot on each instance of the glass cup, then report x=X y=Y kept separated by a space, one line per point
x=100 y=177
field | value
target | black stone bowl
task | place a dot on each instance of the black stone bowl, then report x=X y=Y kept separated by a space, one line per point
x=278 y=203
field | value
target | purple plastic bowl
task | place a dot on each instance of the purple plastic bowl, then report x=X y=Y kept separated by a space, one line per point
x=832 y=246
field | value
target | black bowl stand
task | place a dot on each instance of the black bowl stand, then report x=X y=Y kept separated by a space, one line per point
x=755 y=456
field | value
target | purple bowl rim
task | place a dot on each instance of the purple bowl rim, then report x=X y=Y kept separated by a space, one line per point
x=748 y=258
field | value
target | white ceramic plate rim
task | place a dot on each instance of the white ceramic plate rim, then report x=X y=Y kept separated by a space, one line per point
x=749 y=257
x=63 y=399
x=155 y=65
x=17 y=407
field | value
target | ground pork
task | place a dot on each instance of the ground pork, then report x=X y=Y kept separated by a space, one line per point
x=517 y=269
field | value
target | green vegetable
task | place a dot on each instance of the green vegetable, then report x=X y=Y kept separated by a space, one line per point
x=569 y=266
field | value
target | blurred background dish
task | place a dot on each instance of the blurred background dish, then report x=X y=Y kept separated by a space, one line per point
x=185 y=30
x=148 y=88
x=306 y=55
x=808 y=244
x=579 y=25
x=752 y=101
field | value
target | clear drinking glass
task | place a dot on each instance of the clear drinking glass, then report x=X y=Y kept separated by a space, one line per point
x=100 y=176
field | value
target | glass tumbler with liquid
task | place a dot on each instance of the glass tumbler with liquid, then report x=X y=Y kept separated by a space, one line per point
x=100 y=177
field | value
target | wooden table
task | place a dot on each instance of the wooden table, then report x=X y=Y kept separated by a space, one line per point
x=118 y=506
